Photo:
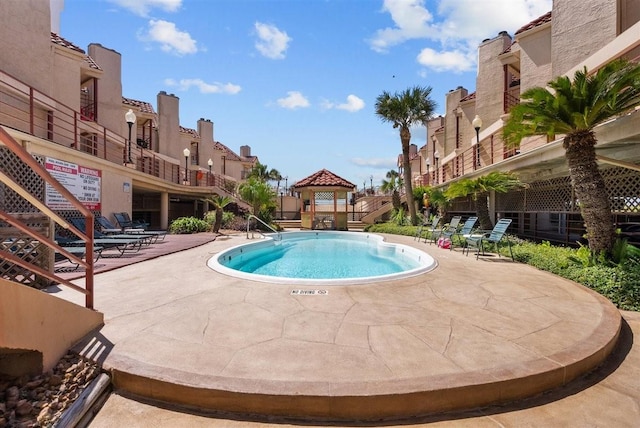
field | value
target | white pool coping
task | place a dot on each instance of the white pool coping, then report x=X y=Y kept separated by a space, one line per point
x=427 y=263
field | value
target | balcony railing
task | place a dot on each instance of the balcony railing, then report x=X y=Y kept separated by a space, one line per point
x=28 y=110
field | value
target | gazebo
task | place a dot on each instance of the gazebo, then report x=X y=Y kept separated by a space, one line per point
x=324 y=201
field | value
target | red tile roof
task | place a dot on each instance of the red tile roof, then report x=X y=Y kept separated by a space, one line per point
x=189 y=131
x=61 y=41
x=324 y=178
x=471 y=96
x=143 y=106
x=535 y=23
x=228 y=153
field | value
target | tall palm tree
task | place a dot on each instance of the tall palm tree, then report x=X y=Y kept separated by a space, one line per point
x=218 y=202
x=574 y=108
x=405 y=109
x=393 y=184
x=479 y=189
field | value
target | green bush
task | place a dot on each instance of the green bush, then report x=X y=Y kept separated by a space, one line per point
x=185 y=225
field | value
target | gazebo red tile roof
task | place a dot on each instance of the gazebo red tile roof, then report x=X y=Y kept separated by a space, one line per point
x=324 y=178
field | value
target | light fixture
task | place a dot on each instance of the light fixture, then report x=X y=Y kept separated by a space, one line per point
x=210 y=163
x=130 y=117
x=477 y=124
x=186 y=153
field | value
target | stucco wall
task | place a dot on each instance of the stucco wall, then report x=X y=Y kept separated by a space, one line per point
x=110 y=111
x=579 y=30
x=490 y=82
x=33 y=320
x=15 y=17
x=169 y=142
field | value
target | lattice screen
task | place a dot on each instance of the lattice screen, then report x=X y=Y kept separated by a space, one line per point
x=623 y=186
x=22 y=174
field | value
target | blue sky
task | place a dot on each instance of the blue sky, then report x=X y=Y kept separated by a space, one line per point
x=296 y=80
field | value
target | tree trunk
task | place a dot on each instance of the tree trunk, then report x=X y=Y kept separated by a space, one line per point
x=405 y=138
x=482 y=208
x=218 y=222
x=591 y=193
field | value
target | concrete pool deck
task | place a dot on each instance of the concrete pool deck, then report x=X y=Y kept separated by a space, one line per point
x=466 y=335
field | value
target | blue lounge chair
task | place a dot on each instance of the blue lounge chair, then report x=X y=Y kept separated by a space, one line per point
x=447 y=230
x=498 y=233
x=430 y=227
x=464 y=232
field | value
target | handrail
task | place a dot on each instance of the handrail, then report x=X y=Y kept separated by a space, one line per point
x=24 y=155
x=268 y=227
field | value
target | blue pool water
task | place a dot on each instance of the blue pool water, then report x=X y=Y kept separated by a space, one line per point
x=322 y=257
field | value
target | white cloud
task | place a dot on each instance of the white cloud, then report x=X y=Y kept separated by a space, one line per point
x=203 y=87
x=142 y=7
x=170 y=38
x=353 y=104
x=457 y=61
x=271 y=42
x=293 y=100
x=453 y=30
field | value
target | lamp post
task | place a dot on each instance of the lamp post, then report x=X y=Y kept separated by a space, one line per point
x=428 y=163
x=286 y=184
x=281 y=196
x=371 y=178
x=436 y=156
x=477 y=124
x=186 y=153
x=210 y=163
x=130 y=117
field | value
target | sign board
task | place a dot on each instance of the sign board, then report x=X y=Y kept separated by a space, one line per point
x=83 y=183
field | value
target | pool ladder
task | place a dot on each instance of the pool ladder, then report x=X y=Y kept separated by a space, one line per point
x=278 y=234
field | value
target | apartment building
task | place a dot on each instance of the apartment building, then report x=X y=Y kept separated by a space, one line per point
x=66 y=107
x=573 y=35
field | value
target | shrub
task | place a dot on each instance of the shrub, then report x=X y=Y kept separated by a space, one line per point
x=185 y=225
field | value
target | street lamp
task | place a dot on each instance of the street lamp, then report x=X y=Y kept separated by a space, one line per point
x=436 y=156
x=371 y=178
x=428 y=163
x=210 y=163
x=281 y=196
x=186 y=153
x=286 y=184
x=130 y=117
x=477 y=124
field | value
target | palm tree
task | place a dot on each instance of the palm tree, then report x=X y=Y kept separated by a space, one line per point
x=393 y=184
x=257 y=193
x=218 y=202
x=410 y=107
x=574 y=108
x=479 y=189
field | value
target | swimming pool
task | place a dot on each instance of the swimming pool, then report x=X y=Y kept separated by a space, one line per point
x=327 y=257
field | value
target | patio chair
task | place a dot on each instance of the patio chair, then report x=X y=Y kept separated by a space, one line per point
x=127 y=225
x=109 y=228
x=125 y=221
x=123 y=241
x=447 y=230
x=498 y=233
x=430 y=226
x=78 y=251
x=464 y=232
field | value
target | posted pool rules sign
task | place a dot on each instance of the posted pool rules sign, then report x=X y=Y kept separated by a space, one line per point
x=83 y=183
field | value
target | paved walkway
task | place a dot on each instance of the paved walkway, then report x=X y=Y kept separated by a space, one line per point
x=468 y=334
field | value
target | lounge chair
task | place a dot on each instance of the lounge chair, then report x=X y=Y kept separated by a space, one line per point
x=109 y=228
x=427 y=226
x=125 y=222
x=448 y=229
x=498 y=233
x=77 y=251
x=464 y=232
x=122 y=242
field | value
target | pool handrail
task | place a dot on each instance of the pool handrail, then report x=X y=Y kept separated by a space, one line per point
x=268 y=227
